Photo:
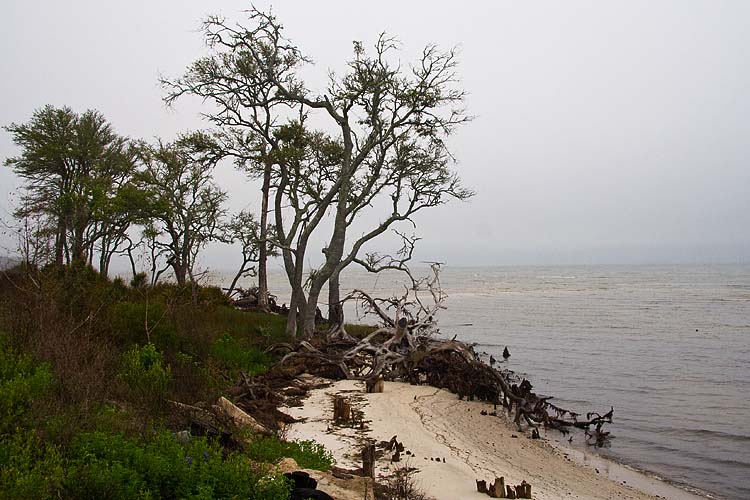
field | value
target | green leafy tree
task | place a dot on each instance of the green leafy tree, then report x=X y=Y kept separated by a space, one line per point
x=185 y=208
x=76 y=171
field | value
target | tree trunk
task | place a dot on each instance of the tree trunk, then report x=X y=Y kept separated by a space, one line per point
x=78 y=251
x=335 y=308
x=333 y=253
x=132 y=260
x=291 y=319
x=308 y=326
x=295 y=272
x=368 y=461
x=263 y=254
x=60 y=242
x=180 y=273
x=104 y=265
x=236 y=279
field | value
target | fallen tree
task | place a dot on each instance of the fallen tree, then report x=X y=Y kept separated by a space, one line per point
x=406 y=347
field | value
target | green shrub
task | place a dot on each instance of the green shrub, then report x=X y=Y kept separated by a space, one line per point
x=237 y=354
x=308 y=454
x=214 y=296
x=144 y=372
x=21 y=381
x=139 y=281
x=183 y=294
x=260 y=326
x=129 y=322
x=82 y=289
x=112 y=466
x=29 y=468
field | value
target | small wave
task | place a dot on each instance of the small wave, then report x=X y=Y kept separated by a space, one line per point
x=709 y=434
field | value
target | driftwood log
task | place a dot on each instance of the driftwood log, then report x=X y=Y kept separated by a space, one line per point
x=396 y=353
x=406 y=348
x=374 y=384
x=481 y=486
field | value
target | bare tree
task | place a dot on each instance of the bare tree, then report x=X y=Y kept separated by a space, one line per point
x=251 y=156
x=245 y=230
x=34 y=238
x=390 y=122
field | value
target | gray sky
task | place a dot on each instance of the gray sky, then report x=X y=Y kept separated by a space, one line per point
x=606 y=132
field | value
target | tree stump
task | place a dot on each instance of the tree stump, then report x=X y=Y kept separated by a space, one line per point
x=368 y=461
x=523 y=490
x=342 y=411
x=374 y=385
x=510 y=492
x=481 y=486
x=497 y=489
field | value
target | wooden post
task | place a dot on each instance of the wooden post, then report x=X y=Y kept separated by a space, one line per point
x=342 y=412
x=481 y=486
x=510 y=492
x=523 y=490
x=374 y=384
x=368 y=461
x=497 y=489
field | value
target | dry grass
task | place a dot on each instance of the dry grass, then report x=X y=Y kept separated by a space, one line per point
x=400 y=485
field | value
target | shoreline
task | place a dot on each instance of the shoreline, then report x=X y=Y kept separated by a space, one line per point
x=434 y=424
x=645 y=481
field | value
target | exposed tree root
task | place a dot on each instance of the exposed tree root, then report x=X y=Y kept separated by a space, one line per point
x=406 y=349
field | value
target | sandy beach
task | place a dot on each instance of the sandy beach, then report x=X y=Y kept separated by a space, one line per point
x=434 y=424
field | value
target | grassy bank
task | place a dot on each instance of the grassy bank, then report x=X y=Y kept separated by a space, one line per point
x=86 y=365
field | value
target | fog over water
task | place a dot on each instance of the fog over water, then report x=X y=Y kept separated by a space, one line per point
x=605 y=132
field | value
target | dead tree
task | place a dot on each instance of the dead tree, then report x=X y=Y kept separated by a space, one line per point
x=406 y=348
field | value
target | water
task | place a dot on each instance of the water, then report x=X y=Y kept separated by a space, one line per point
x=667 y=346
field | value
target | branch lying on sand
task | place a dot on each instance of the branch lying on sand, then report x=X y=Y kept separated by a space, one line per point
x=406 y=349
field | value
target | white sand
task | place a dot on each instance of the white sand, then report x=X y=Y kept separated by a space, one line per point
x=434 y=423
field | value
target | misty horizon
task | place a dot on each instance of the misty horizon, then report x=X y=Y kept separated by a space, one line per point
x=603 y=134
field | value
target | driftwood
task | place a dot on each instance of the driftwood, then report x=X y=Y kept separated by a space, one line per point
x=223 y=418
x=498 y=489
x=406 y=348
x=447 y=364
x=376 y=384
x=230 y=413
x=199 y=417
x=342 y=410
x=481 y=486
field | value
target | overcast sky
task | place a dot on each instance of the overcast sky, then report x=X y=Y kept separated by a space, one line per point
x=605 y=132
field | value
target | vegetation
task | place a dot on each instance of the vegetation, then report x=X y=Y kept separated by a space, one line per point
x=90 y=364
x=77 y=172
x=82 y=394
x=185 y=205
x=307 y=454
x=235 y=353
x=390 y=124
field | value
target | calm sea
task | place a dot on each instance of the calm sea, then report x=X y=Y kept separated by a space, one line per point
x=667 y=346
